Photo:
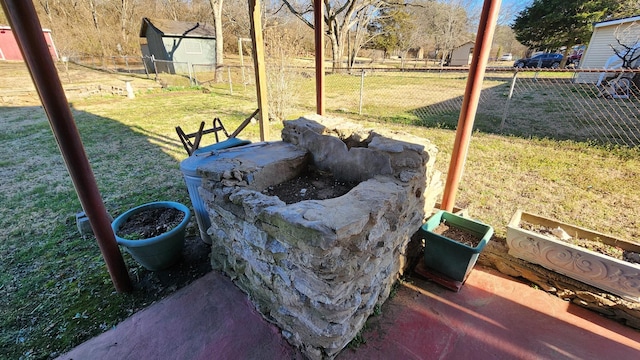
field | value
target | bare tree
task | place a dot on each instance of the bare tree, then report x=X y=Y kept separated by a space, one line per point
x=448 y=25
x=628 y=48
x=236 y=22
x=96 y=27
x=509 y=10
x=339 y=17
x=359 y=34
x=96 y=24
x=172 y=8
x=281 y=49
x=504 y=41
x=441 y=25
x=216 y=8
x=123 y=17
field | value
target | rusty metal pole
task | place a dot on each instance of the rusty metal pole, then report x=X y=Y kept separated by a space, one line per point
x=318 y=21
x=28 y=32
x=481 y=52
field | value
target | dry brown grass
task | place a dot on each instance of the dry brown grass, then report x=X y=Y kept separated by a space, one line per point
x=54 y=284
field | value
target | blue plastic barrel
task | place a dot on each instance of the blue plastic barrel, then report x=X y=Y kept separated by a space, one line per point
x=189 y=168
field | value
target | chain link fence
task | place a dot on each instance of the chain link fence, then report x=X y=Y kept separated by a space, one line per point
x=576 y=104
x=196 y=74
x=120 y=64
x=587 y=105
x=567 y=104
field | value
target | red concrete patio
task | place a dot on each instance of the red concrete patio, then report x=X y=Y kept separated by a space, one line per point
x=492 y=316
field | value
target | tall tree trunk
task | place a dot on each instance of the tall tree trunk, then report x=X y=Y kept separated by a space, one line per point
x=338 y=22
x=216 y=8
x=96 y=25
x=47 y=10
x=124 y=9
x=336 y=52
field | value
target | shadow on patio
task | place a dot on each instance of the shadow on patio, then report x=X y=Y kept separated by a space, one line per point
x=492 y=316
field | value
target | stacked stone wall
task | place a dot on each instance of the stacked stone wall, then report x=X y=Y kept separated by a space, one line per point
x=318 y=269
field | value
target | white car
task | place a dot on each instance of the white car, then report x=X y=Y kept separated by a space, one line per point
x=506 y=57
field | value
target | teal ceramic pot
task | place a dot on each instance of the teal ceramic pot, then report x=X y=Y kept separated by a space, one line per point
x=158 y=252
x=448 y=256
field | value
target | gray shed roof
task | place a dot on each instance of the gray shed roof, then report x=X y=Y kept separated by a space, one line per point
x=178 y=28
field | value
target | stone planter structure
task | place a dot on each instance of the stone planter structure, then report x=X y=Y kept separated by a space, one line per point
x=604 y=272
x=319 y=268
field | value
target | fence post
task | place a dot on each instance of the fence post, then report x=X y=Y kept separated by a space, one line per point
x=126 y=62
x=361 y=91
x=155 y=69
x=241 y=58
x=189 y=70
x=144 y=64
x=230 y=83
x=506 y=107
x=195 y=75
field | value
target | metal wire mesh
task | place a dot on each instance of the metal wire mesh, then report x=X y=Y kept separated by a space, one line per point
x=544 y=104
x=606 y=113
x=569 y=104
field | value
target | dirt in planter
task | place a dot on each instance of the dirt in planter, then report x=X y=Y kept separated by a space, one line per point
x=151 y=286
x=457 y=234
x=149 y=223
x=593 y=245
x=314 y=184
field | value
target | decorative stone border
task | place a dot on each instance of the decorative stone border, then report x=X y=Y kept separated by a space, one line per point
x=604 y=272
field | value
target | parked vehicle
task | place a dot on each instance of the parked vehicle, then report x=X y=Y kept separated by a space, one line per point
x=574 y=59
x=506 y=57
x=546 y=60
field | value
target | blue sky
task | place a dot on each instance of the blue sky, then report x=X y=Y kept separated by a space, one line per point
x=508 y=9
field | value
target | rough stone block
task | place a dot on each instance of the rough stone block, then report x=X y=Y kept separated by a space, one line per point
x=318 y=268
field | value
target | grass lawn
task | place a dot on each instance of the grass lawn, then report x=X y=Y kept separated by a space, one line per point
x=54 y=288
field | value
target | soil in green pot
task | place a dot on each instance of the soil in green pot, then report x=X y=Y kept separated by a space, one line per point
x=597 y=246
x=457 y=234
x=149 y=223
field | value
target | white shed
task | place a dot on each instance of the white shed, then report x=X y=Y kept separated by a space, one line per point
x=461 y=56
x=599 y=51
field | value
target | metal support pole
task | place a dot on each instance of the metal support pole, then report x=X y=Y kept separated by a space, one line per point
x=318 y=20
x=481 y=51
x=28 y=32
x=506 y=107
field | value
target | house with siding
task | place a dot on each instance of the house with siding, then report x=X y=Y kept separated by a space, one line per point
x=9 y=49
x=178 y=44
x=462 y=55
x=599 y=54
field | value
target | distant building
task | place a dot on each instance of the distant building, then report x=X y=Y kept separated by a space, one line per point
x=9 y=49
x=462 y=55
x=179 y=43
x=599 y=54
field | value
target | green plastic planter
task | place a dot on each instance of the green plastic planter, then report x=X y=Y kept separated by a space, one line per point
x=158 y=252
x=447 y=256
